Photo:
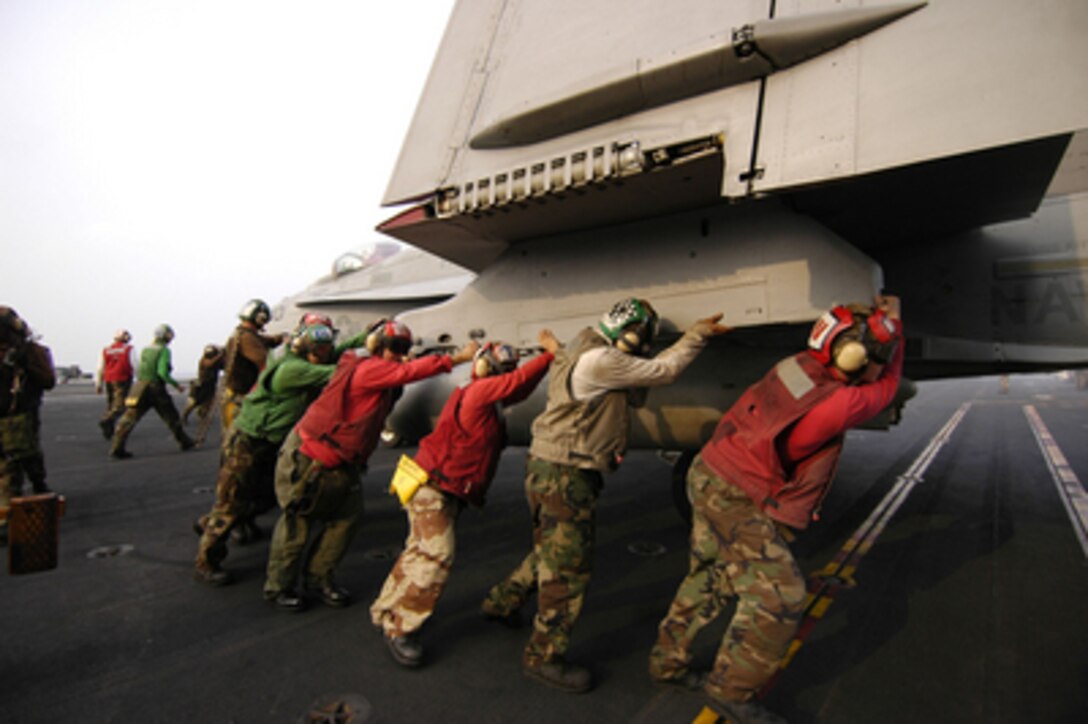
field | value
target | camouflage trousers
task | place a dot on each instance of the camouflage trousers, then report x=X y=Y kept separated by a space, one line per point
x=230 y=404
x=243 y=489
x=319 y=503
x=413 y=587
x=21 y=458
x=116 y=392
x=201 y=399
x=736 y=552
x=147 y=397
x=14 y=472
x=562 y=501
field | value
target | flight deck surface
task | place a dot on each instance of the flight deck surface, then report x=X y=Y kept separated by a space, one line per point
x=966 y=607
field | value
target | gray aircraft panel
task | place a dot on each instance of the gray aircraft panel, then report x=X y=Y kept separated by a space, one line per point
x=948 y=79
x=955 y=77
x=371 y=282
x=447 y=102
x=524 y=51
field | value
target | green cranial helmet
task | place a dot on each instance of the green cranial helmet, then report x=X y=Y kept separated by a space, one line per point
x=316 y=338
x=630 y=325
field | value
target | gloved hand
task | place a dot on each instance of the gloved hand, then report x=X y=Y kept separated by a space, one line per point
x=548 y=341
x=709 y=327
x=466 y=353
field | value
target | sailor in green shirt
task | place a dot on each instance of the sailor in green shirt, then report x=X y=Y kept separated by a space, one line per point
x=245 y=484
x=152 y=377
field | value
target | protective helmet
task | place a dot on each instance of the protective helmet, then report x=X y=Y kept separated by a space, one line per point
x=164 y=333
x=256 y=311
x=122 y=336
x=494 y=358
x=848 y=337
x=211 y=350
x=630 y=325
x=389 y=334
x=316 y=338
x=309 y=319
x=12 y=322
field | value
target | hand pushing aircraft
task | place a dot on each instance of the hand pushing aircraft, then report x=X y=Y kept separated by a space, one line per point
x=762 y=158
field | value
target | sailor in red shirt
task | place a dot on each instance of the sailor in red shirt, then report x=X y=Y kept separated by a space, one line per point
x=763 y=473
x=459 y=457
x=115 y=371
x=320 y=465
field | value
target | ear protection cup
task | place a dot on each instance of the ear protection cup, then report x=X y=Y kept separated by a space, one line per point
x=850 y=355
x=481 y=367
x=374 y=336
x=849 y=337
x=629 y=342
x=494 y=358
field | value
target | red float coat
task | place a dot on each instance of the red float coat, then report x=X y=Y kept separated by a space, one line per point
x=117 y=362
x=463 y=450
x=780 y=442
x=345 y=421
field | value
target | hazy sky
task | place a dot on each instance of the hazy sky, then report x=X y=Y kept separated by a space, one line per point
x=166 y=160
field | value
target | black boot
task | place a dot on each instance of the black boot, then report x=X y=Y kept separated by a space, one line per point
x=560 y=674
x=406 y=650
x=212 y=575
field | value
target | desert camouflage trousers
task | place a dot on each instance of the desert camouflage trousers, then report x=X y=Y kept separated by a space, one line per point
x=736 y=552
x=562 y=501
x=319 y=503
x=419 y=576
x=243 y=489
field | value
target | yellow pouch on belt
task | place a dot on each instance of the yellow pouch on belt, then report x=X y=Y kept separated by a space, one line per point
x=407 y=478
x=137 y=392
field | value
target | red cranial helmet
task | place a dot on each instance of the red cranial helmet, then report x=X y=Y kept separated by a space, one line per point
x=494 y=358
x=849 y=337
x=389 y=334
